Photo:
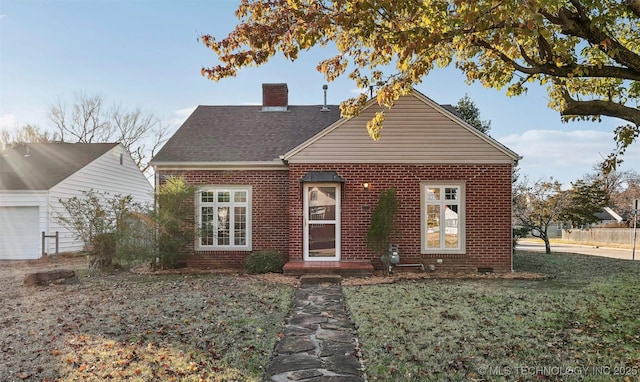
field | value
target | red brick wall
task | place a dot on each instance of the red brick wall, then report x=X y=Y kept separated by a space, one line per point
x=275 y=95
x=270 y=223
x=488 y=212
x=277 y=212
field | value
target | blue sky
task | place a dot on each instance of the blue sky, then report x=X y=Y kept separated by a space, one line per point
x=146 y=54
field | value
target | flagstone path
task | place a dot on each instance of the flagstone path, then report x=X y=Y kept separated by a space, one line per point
x=319 y=342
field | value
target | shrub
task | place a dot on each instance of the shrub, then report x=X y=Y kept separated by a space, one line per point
x=174 y=221
x=383 y=226
x=104 y=251
x=264 y=262
x=113 y=227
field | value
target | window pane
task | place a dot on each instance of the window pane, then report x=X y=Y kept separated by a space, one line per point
x=207 y=197
x=206 y=216
x=223 y=225
x=224 y=196
x=240 y=226
x=433 y=226
x=433 y=194
x=451 y=231
x=240 y=196
x=322 y=240
x=323 y=207
x=451 y=193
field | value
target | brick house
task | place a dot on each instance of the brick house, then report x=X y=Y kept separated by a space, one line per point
x=302 y=181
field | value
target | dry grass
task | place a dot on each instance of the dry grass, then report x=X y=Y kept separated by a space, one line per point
x=137 y=326
x=560 y=311
x=584 y=319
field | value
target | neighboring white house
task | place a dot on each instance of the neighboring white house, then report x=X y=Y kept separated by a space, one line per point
x=35 y=176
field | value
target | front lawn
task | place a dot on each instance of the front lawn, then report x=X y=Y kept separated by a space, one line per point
x=140 y=327
x=582 y=324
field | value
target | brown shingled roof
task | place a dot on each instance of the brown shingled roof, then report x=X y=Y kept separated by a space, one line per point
x=244 y=133
x=40 y=166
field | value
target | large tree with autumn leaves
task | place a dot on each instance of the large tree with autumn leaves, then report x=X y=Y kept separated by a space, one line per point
x=586 y=52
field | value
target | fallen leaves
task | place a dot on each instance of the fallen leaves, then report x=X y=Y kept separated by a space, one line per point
x=140 y=327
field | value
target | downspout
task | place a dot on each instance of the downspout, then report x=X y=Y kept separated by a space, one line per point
x=156 y=184
x=514 y=164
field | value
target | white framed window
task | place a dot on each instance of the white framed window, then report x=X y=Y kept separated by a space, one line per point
x=442 y=217
x=224 y=217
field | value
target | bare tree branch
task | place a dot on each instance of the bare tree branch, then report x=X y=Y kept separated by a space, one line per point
x=88 y=121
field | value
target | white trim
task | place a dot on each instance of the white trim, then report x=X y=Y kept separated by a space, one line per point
x=336 y=221
x=461 y=217
x=415 y=161
x=249 y=218
x=613 y=214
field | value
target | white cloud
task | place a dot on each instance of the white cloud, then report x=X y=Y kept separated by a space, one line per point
x=559 y=147
x=8 y=121
x=179 y=116
x=565 y=155
x=187 y=111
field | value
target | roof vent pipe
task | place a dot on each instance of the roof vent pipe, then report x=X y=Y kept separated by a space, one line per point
x=324 y=106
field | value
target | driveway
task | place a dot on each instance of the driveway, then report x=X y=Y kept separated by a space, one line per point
x=616 y=253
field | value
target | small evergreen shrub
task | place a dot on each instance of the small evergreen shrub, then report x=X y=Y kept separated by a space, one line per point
x=264 y=262
x=104 y=251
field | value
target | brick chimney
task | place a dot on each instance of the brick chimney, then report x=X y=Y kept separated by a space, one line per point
x=275 y=97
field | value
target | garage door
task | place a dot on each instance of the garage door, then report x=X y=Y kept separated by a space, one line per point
x=19 y=233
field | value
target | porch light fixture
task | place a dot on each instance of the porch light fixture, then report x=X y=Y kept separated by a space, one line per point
x=365 y=186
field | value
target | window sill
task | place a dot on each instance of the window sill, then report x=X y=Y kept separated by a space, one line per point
x=223 y=249
x=445 y=255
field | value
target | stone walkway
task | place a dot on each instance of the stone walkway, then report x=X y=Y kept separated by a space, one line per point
x=319 y=342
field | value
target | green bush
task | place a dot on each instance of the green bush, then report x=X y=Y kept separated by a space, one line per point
x=264 y=262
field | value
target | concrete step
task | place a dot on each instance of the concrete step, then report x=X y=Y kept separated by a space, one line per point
x=320 y=278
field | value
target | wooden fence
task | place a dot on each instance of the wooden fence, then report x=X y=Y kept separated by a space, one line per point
x=602 y=235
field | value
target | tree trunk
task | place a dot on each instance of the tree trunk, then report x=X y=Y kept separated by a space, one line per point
x=547 y=245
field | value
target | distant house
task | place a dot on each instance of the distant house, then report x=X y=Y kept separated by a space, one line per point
x=608 y=216
x=35 y=176
x=303 y=181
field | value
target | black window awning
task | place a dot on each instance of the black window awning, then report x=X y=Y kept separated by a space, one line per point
x=321 y=177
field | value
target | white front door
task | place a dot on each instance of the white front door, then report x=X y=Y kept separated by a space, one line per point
x=321 y=222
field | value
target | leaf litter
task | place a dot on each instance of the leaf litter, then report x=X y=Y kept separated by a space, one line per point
x=115 y=326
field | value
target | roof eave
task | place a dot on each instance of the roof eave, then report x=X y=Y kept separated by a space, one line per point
x=276 y=164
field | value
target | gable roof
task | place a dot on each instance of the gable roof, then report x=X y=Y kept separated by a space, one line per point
x=249 y=135
x=417 y=130
x=243 y=133
x=40 y=166
x=607 y=213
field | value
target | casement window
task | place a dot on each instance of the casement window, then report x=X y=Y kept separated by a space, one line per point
x=224 y=218
x=443 y=221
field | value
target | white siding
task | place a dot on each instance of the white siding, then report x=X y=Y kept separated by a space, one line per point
x=415 y=131
x=23 y=218
x=105 y=174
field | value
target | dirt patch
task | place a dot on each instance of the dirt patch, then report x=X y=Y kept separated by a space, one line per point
x=380 y=278
x=268 y=277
